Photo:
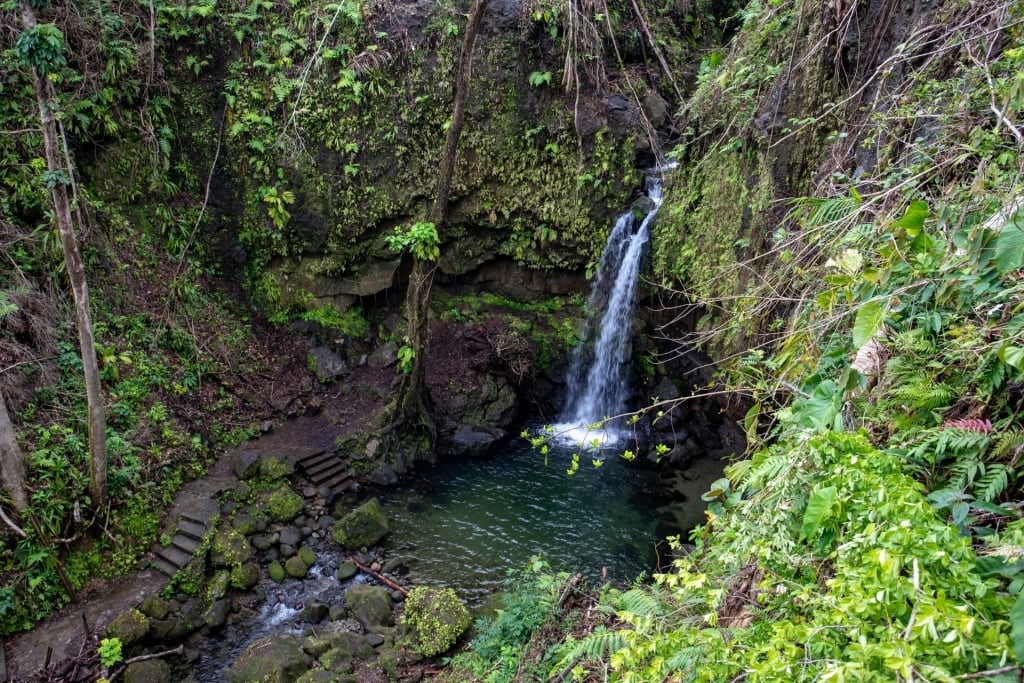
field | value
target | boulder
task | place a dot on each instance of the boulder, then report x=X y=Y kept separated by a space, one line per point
x=129 y=627
x=229 y=548
x=275 y=659
x=148 y=671
x=326 y=364
x=363 y=527
x=371 y=605
x=436 y=618
x=472 y=441
x=383 y=356
x=296 y=568
x=346 y=570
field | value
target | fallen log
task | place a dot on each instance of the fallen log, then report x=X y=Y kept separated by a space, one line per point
x=377 y=575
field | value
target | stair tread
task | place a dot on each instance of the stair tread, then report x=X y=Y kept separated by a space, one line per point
x=327 y=471
x=311 y=455
x=174 y=555
x=191 y=528
x=185 y=543
x=336 y=481
x=164 y=566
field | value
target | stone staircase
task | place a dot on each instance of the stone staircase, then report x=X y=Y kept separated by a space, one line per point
x=326 y=469
x=307 y=443
x=192 y=526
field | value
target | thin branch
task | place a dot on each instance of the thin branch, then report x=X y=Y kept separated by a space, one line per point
x=10 y=523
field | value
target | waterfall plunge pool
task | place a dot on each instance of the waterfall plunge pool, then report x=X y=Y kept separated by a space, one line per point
x=467 y=523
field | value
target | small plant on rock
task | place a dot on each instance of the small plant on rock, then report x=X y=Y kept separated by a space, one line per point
x=436 y=618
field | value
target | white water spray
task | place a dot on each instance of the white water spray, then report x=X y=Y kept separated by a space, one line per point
x=598 y=377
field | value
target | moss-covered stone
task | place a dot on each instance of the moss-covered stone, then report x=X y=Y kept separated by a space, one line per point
x=307 y=556
x=276 y=571
x=361 y=528
x=371 y=605
x=284 y=505
x=436 y=618
x=229 y=548
x=148 y=671
x=129 y=627
x=245 y=576
x=346 y=570
x=295 y=567
x=276 y=659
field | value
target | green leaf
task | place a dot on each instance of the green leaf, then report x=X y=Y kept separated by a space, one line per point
x=1009 y=246
x=914 y=217
x=1017 y=628
x=868 y=322
x=1012 y=355
x=819 y=509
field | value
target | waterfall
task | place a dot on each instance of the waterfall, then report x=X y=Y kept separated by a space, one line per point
x=598 y=376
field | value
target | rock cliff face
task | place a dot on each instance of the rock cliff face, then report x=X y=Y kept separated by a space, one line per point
x=333 y=128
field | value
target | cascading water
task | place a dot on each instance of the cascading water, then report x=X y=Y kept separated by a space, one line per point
x=597 y=379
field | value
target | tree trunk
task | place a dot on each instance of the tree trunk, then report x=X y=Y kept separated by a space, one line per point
x=12 y=464
x=76 y=275
x=412 y=415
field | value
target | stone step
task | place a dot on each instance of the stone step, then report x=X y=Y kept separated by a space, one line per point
x=321 y=460
x=326 y=471
x=199 y=516
x=185 y=543
x=164 y=566
x=342 y=481
x=309 y=457
x=191 y=529
x=174 y=555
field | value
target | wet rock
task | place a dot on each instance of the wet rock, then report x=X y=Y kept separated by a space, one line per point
x=262 y=541
x=307 y=556
x=472 y=441
x=374 y=639
x=337 y=612
x=217 y=614
x=395 y=565
x=276 y=571
x=371 y=605
x=155 y=607
x=229 y=548
x=167 y=630
x=287 y=550
x=149 y=671
x=245 y=576
x=296 y=568
x=383 y=356
x=245 y=523
x=290 y=536
x=129 y=627
x=326 y=364
x=363 y=527
x=276 y=659
x=314 y=612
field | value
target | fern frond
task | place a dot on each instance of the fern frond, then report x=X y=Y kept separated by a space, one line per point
x=641 y=603
x=992 y=484
x=766 y=468
x=598 y=645
x=1009 y=445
